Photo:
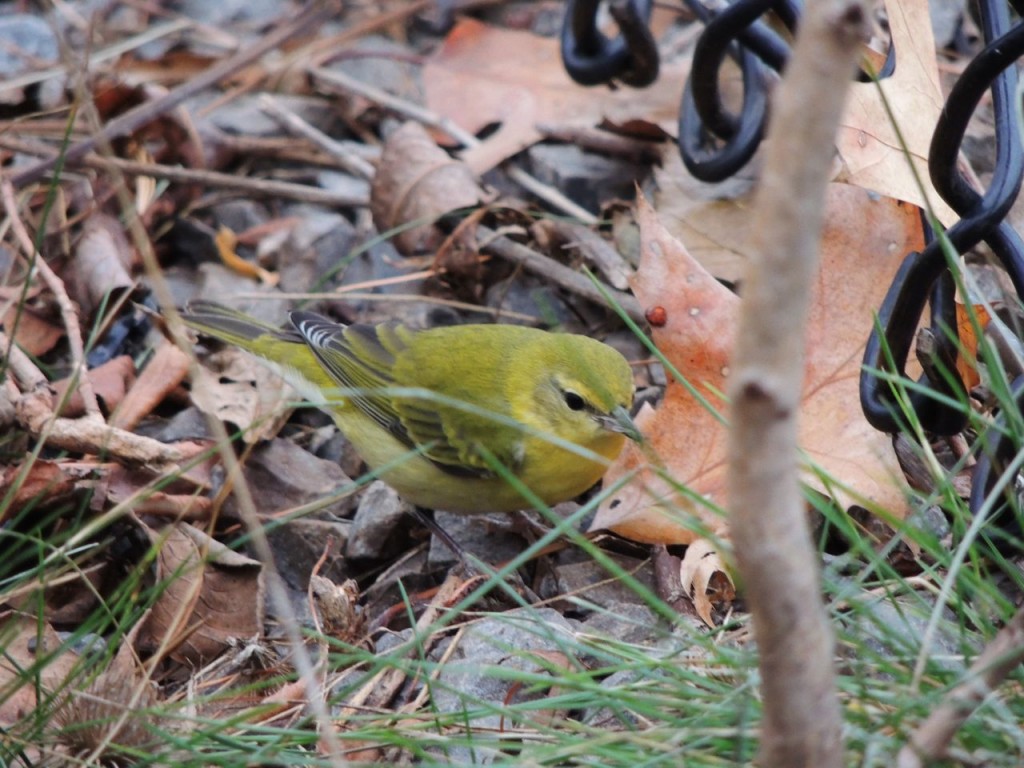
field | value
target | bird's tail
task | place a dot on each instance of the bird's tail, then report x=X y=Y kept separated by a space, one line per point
x=233 y=326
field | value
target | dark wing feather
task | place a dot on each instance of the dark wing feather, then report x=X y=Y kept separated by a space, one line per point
x=362 y=358
x=355 y=357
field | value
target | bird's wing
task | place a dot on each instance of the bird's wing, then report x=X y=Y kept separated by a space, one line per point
x=362 y=358
x=458 y=422
x=355 y=358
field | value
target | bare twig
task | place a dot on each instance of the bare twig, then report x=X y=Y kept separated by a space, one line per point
x=340 y=81
x=932 y=738
x=295 y=124
x=28 y=376
x=775 y=557
x=90 y=436
x=637 y=150
x=148 y=111
x=260 y=187
x=591 y=247
x=499 y=245
x=56 y=285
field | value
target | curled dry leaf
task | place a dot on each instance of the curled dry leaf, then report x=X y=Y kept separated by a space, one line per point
x=338 y=606
x=233 y=387
x=164 y=372
x=705 y=579
x=226 y=241
x=864 y=241
x=102 y=262
x=416 y=183
x=967 y=331
x=209 y=595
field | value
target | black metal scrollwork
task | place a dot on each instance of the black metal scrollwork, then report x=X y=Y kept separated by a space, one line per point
x=715 y=144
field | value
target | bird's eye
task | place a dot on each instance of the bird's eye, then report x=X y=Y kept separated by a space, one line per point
x=574 y=401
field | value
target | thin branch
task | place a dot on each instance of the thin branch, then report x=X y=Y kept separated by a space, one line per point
x=260 y=187
x=296 y=125
x=776 y=560
x=68 y=311
x=243 y=184
x=490 y=241
x=932 y=738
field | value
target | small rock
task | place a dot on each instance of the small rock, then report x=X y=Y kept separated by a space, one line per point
x=284 y=476
x=626 y=622
x=586 y=178
x=946 y=16
x=314 y=248
x=245 y=115
x=383 y=63
x=299 y=544
x=471 y=678
x=379 y=513
x=240 y=215
x=894 y=629
x=530 y=296
x=478 y=535
x=28 y=42
x=589 y=582
x=187 y=424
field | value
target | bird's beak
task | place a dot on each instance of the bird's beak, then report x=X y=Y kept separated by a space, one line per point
x=619 y=421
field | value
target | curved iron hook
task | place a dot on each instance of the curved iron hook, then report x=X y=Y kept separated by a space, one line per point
x=592 y=58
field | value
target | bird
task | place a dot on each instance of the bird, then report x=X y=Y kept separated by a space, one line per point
x=444 y=415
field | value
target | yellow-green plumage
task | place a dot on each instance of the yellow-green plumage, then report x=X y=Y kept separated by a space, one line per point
x=550 y=407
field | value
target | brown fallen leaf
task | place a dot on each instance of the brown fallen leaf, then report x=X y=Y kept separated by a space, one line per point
x=484 y=75
x=166 y=369
x=34 y=332
x=864 y=240
x=41 y=482
x=417 y=182
x=27 y=644
x=967 y=359
x=233 y=387
x=712 y=219
x=704 y=577
x=210 y=596
x=110 y=382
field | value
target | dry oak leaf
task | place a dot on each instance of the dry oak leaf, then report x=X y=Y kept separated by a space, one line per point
x=210 y=595
x=864 y=241
x=484 y=75
x=30 y=644
x=233 y=387
x=868 y=142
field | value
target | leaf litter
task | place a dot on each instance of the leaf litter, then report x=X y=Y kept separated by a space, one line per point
x=144 y=517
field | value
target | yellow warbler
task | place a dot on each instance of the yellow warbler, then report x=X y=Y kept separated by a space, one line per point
x=433 y=410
